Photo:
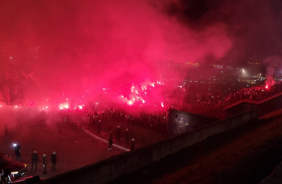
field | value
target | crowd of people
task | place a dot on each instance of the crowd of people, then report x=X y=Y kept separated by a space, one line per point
x=252 y=93
x=35 y=159
x=156 y=122
x=119 y=117
x=122 y=121
x=6 y=176
x=117 y=123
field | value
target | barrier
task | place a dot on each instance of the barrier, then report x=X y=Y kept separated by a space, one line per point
x=263 y=107
x=112 y=168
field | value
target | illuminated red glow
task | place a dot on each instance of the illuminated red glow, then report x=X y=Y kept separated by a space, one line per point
x=145 y=96
x=133 y=69
x=64 y=106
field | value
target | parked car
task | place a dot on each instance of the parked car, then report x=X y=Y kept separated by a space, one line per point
x=12 y=168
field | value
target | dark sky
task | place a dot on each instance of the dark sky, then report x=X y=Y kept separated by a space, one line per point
x=70 y=46
x=254 y=26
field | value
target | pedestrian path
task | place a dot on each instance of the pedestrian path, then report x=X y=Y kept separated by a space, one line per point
x=103 y=140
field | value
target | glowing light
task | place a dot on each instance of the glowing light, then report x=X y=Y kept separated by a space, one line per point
x=80 y=107
x=266 y=87
x=162 y=104
x=66 y=106
x=14 y=144
x=130 y=102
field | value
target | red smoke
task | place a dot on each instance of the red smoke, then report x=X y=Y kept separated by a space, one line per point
x=98 y=50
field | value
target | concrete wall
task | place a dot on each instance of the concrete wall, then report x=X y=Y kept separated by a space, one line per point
x=112 y=168
x=263 y=107
x=270 y=105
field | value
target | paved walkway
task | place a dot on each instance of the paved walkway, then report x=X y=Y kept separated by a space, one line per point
x=74 y=148
x=103 y=139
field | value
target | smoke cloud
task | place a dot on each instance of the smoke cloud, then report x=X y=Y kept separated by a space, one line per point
x=81 y=49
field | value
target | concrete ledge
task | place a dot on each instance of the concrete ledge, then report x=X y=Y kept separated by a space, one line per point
x=112 y=168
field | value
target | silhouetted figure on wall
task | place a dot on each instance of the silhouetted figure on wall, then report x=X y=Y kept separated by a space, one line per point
x=17 y=148
x=34 y=160
x=99 y=124
x=54 y=160
x=127 y=136
x=1 y=174
x=132 y=144
x=110 y=141
x=44 y=163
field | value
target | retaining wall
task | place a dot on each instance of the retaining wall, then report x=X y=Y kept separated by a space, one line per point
x=110 y=169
